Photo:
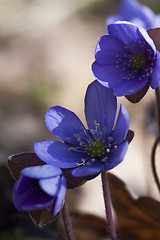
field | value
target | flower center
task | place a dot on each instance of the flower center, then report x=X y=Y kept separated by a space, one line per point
x=137 y=61
x=94 y=145
x=138 y=65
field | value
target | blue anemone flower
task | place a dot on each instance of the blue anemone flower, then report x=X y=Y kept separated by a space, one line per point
x=137 y=13
x=126 y=59
x=39 y=187
x=91 y=150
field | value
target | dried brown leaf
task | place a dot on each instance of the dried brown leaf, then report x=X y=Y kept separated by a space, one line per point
x=87 y=226
x=136 y=97
x=154 y=33
x=137 y=218
x=22 y=160
x=42 y=217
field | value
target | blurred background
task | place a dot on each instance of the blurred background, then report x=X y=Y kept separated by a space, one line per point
x=46 y=51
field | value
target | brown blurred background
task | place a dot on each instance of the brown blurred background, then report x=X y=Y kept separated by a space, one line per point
x=46 y=52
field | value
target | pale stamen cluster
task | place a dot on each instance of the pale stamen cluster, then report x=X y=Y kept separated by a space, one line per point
x=95 y=145
x=141 y=62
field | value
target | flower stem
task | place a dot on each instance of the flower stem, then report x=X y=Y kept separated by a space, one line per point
x=107 y=202
x=153 y=163
x=67 y=222
x=157 y=91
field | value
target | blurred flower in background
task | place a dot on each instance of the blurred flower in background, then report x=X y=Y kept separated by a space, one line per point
x=135 y=12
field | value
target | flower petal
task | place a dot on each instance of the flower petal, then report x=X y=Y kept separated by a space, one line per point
x=28 y=196
x=58 y=154
x=107 y=49
x=110 y=75
x=155 y=76
x=44 y=171
x=126 y=32
x=122 y=126
x=117 y=156
x=50 y=185
x=100 y=105
x=86 y=171
x=63 y=123
x=22 y=184
x=37 y=201
x=129 y=87
x=58 y=204
x=144 y=36
x=19 y=194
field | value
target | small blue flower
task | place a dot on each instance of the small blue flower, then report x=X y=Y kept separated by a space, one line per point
x=126 y=59
x=39 y=187
x=137 y=13
x=91 y=150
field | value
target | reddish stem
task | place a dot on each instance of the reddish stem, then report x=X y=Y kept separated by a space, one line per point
x=107 y=202
x=67 y=222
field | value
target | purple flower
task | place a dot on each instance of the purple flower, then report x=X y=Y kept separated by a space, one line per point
x=91 y=150
x=126 y=59
x=39 y=187
x=137 y=13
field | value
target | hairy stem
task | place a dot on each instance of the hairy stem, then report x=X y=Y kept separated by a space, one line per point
x=107 y=203
x=153 y=153
x=157 y=91
x=67 y=223
x=153 y=162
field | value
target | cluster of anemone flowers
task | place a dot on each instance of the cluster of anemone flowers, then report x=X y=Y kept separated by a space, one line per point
x=126 y=63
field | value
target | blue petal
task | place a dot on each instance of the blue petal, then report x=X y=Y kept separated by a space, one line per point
x=86 y=171
x=23 y=184
x=100 y=105
x=63 y=123
x=37 y=201
x=110 y=75
x=19 y=192
x=144 y=36
x=131 y=9
x=31 y=197
x=129 y=34
x=126 y=32
x=44 y=171
x=117 y=156
x=58 y=204
x=57 y=154
x=50 y=185
x=107 y=48
x=129 y=87
x=122 y=126
x=155 y=76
